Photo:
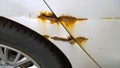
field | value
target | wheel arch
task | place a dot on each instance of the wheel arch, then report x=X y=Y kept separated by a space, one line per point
x=38 y=36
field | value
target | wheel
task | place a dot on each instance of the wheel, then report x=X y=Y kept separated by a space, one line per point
x=21 y=47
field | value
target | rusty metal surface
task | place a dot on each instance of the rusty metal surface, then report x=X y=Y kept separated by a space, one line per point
x=80 y=40
x=68 y=22
x=96 y=29
x=26 y=13
x=101 y=27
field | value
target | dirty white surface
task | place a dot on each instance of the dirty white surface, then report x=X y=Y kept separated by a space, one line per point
x=26 y=11
x=103 y=34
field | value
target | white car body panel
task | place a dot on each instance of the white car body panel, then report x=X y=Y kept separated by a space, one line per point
x=25 y=12
x=102 y=27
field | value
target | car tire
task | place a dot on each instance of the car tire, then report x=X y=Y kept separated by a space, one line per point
x=18 y=41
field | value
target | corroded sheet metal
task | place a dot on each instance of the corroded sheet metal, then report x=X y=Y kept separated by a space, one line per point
x=26 y=13
x=67 y=21
x=101 y=27
x=80 y=40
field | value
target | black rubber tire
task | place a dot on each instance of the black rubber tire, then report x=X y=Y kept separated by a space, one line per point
x=31 y=43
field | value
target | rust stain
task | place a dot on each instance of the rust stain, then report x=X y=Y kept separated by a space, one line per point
x=110 y=18
x=107 y=18
x=80 y=40
x=68 y=20
x=101 y=48
x=62 y=39
x=44 y=16
x=117 y=18
x=46 y=36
